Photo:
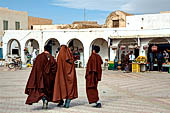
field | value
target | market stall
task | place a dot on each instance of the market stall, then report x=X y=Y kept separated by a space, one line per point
x=139 y=65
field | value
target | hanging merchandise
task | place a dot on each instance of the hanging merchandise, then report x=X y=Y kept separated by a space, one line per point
x=145 y=47
x=113 y=47
x=131 y=47
x=122 y=47
x=137 y=47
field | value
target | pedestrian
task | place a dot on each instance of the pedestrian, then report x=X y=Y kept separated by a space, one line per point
x=65 y=86
x=126 y=62
x=166 y=56
x=151 y=59
x=41 y=80
x=160 y=60
x=115 y=63
x=131 y=59
x=93 y=76
x=33 y=56
x=123 y=61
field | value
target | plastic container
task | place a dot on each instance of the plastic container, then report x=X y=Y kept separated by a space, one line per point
x=111 y=66
x=135 y=67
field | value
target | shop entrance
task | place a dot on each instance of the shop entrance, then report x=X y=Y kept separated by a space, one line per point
x=54 y=46
x=158 y=47
x=31 y=47
x=14 y=48
x=77 y=49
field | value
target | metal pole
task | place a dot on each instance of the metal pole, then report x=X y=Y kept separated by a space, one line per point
x=84 y=14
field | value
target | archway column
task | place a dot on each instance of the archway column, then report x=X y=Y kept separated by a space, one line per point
x=86 y=54
x=41 y=46
x=143 y=42
x=114 y=43
x=5 y=49
x=23 y=54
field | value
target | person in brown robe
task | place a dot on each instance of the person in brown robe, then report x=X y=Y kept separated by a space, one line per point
x=126 y=62
x=65 y=86
x=123 y=60
x=93 y=76
x=41 y=80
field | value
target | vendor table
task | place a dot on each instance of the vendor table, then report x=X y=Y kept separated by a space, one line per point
x=166 y=67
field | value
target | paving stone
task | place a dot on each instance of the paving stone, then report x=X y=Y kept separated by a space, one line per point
x=119 y=92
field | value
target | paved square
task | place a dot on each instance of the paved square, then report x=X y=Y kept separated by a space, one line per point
x=147 y=92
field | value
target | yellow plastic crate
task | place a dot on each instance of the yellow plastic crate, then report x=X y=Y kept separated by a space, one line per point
x=135 y=67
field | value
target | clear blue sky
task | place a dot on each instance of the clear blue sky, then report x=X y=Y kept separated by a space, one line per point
x=59 y=14
x=67 y=11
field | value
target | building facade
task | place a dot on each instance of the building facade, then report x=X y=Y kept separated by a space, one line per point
x=38 y=21
x=139 y=34
x=11 y=20
x=17 y=20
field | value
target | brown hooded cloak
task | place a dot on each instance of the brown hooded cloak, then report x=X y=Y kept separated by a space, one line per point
x=93 y=75
x=41 y=79
x=65 y=82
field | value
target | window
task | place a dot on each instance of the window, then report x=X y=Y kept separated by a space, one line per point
x=17 y=25
x=5 y=25
x=115 y=23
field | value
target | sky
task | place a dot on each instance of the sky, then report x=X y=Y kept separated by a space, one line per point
x=68 y=11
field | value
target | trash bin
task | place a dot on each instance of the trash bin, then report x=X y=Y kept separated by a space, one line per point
x=111 y=66
x=135 y=67
x=142 y=67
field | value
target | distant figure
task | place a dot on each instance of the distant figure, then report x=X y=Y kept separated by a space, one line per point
x=166 y=56
x=131 y=59
x=151 y=58
x=65 y=86
x=34 y=55
x=93 y=76
x=41 y=80
x=115 y=63
x=160 y=60
x=123 y=61
x=126 y=61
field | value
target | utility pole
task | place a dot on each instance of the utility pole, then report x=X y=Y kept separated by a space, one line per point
x=84 y=14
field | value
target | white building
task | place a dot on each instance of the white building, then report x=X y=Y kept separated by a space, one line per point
x=82 y=39
x=141 y=31
x=148 y=21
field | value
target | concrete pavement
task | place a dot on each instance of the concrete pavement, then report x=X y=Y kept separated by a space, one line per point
x=120 y=92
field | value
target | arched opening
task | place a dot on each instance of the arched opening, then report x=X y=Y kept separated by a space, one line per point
x=13 y=48
x=30 y=46
x=77 y=49
x=103 y=44
x=54 y=44
x=127 y=45
x=157 y=46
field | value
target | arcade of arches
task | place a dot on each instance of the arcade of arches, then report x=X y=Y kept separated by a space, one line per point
x=76 y=46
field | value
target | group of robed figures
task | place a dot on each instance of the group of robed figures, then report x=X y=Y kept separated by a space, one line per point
x=56 y=81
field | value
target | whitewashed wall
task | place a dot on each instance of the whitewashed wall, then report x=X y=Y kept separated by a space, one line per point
x=86 y=36
x=148 y=21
